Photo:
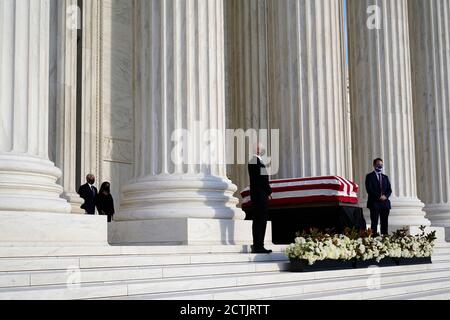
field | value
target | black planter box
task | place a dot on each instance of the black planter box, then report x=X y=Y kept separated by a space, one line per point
x=386 y=262
x=412 y=261
x=298 y=265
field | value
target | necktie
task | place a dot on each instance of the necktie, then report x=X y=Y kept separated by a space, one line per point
x=380 y=178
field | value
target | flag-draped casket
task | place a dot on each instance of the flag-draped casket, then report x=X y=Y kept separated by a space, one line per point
x=303 y=191
x=297 y=205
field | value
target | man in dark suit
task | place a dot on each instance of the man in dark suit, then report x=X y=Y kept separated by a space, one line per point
x=379 y=190
x=88 y=192
x=260 y=191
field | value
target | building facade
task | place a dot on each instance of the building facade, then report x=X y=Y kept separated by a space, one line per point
x=101 y=86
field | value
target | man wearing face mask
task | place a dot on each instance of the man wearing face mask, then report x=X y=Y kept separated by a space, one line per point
x=88 y=192
x=379 y=190
x=260 y=192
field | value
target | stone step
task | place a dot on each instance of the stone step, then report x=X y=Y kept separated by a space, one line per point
x=280 y=281
x=443 y=294
x=440 y=257
x=387 y=289
x=295 y=289
x=389 y=285
x=65 y=293
x=39 y=251
x=318 y=287
x=134 y=259
x=52 y=263
x=122 y=274
x=13 y=279
x=45 y=263
x=39 y=278
x=161 y=266
x=18 y=252
x=441 y=251
x=442 y=245
x=246 y=286
x=64 y=263
x=57 y=252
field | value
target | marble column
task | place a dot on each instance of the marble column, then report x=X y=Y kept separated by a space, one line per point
x=66 y=101
x=430 y=61
x=247 y=77
x=27 y=177
x=180 y=82
x=381 y=101
x=307 y=91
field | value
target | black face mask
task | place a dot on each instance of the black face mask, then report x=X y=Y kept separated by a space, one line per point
x=92 y=181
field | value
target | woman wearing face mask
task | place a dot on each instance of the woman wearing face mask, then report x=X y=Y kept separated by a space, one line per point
x=105 y=202
x=379 y=190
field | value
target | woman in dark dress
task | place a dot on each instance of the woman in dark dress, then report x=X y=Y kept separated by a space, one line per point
x=104 y=201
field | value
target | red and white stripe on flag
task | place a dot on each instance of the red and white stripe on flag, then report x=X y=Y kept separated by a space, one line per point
x=309 y=190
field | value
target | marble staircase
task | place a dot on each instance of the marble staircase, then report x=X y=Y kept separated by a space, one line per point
x=203 y=272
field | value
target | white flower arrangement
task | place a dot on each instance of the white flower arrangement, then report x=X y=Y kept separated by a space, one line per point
x=318 y=246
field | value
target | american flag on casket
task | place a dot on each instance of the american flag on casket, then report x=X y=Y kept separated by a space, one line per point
x=290 y=192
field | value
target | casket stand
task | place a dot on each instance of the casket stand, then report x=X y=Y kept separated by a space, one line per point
x=300 y=204
x=288 y=220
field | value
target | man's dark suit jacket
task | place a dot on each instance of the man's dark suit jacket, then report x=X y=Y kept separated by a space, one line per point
x=374 y=189
x=259 y=182
x=86 y=193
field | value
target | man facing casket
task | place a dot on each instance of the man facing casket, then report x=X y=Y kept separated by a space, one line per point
x=260 y=191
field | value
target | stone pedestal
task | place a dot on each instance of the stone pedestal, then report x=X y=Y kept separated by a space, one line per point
x=184 y=231
x=50 y=229
x=381 y=100
x=180 y=92
x=430 y=54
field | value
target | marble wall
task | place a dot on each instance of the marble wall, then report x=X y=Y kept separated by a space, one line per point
x=116 y=90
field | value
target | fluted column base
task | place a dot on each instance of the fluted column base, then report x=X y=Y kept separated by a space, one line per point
x=408 y=212
x=181 y=210
x=180 y=196
x=32 y=211
x=439 y=214
x=405 y=212
x=28 y=184
x=75 y=202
